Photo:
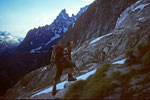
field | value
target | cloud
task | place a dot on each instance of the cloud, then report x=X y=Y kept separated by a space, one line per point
x=43 y=19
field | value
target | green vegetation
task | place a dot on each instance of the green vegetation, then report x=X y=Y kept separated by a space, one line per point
x=127 y=91
x=143 y=56
x=116 y=75
x=76 y=89
x=95 y=87
x=146 y=59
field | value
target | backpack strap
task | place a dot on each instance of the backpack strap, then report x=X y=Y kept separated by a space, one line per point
x=53 y=55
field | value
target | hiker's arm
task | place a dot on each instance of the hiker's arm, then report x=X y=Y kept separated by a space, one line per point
x=70 y=61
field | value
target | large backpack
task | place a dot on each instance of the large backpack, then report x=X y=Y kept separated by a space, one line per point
x=59 y=53
x=59 y=56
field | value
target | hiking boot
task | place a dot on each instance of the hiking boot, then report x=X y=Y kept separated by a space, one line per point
x=54 y=91
x=72 y=79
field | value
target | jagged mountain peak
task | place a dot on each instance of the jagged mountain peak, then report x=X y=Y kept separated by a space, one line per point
x=83 y=9
x=63 y=11
x=44 y=37
x=63 y=15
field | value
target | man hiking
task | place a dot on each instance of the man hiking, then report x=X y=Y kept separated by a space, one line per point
x=63 y=60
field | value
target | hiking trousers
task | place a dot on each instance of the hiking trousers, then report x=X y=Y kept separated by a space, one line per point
x=61 y=66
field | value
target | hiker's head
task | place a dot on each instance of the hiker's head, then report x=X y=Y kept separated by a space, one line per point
x=70 y=44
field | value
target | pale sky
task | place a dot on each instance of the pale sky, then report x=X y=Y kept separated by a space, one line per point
x=19 y=16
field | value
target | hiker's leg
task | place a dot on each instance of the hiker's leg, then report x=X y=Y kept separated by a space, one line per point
x=70 y=77
x=57 y=78
x=70 y=70
x=58 y=73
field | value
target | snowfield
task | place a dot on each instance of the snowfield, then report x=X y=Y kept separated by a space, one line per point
x=99 y=38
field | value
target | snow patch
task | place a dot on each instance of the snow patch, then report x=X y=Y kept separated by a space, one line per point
x=85 y=76
x=61 y=85
x=73 y=25
x=120 y=61
x=52 y=39
x=35 y=50
x=43 y=69
x=31 y=43
x=55 y=37
x=125 y=13
x=99 y=38
x=65 y=29
x=140 y=19
x=48 y=43
x=2 y=37
x=138 y=2
x=141 y=7
x=122 y=17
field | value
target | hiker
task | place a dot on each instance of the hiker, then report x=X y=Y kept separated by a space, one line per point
x=63 y=60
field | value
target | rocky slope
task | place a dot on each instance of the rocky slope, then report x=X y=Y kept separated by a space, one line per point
x=99 y=19
x=8 y=41
x=42 y=38
x=111 y=81
x=131 y=30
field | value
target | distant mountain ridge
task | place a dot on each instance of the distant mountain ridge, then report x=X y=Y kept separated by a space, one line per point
x=7 y=41
x=42 y=38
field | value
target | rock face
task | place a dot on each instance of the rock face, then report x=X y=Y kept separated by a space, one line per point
x=99 y=19
x=130 y=30
x=42 y=38
x=8 y=41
